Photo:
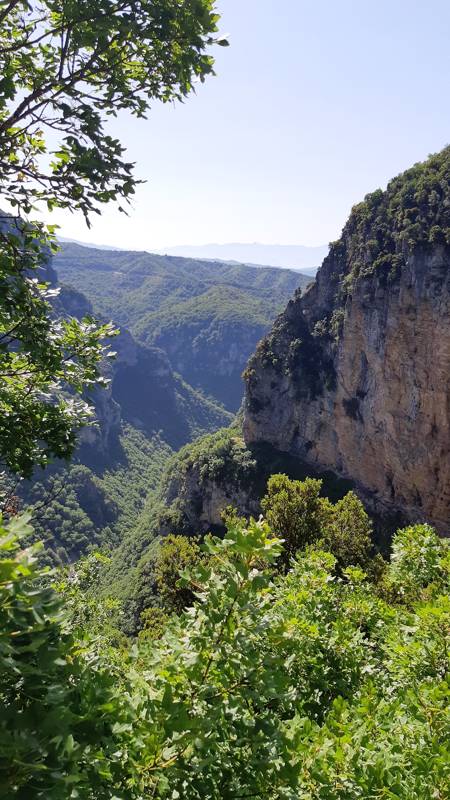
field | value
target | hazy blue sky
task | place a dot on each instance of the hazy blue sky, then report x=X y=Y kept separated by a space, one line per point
x=314 y=104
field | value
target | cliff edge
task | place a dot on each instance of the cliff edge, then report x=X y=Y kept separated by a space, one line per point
x=355 y=374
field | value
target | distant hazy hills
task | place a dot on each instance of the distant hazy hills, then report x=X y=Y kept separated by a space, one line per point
x=293 y=256
x=290 y=256
x=207 y=316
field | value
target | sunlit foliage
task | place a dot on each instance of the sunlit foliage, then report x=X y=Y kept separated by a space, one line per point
x=304 y=686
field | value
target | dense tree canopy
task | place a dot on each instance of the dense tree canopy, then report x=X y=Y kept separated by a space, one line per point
x=300 y=516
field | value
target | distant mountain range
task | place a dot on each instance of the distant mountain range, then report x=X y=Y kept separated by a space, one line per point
x=295 y=256
x=65 y=240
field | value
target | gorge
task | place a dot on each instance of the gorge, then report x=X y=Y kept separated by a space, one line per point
x=353 y=380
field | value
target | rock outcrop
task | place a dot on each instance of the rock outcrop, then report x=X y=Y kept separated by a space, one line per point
x=355 y=374
x=219 y=471
x=203 y=479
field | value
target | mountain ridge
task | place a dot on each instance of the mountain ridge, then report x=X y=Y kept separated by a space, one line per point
x=248 y=253
x=255 y=253
x=206 y=315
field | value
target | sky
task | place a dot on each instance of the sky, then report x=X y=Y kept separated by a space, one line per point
x=315 y=103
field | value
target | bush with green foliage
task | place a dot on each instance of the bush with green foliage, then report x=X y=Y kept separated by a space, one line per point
x=300 y=516
x=154 y=622
x=98 y=616
x=176 y=554
x=303 y=686
x=296 y=512
x=173 y=555
x=67 y=708
x=156 y=590
x=220 y=456
x=419 y=559
x=348 y=531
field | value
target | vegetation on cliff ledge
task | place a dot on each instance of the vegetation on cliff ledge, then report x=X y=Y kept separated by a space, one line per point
x=387 y=226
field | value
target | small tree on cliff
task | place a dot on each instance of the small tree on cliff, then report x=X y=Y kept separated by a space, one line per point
x=295 y=512
x=65 y=67
x=299 y=516
x=176 y=554
x=348 y=533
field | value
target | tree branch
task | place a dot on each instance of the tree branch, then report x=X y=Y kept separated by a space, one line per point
x=10 y=7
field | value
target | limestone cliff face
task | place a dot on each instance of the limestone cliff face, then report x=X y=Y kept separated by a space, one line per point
x=355 y=375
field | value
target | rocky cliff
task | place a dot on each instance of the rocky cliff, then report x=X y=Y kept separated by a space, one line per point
x=355 y=374
x=218 y=471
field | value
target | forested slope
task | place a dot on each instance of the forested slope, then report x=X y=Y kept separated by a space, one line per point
x=145 y=414
x=195 y=318
x=206 y=315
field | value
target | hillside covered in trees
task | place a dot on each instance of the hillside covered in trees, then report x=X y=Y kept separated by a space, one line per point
x=149 y=410
x=207 y=316
x=145 y=414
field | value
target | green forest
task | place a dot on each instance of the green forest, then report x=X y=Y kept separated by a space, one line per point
x=185 y=615
x=208 y=316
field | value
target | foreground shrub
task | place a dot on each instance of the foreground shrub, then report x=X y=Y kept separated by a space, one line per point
x=67 y=712
x=308 y=685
